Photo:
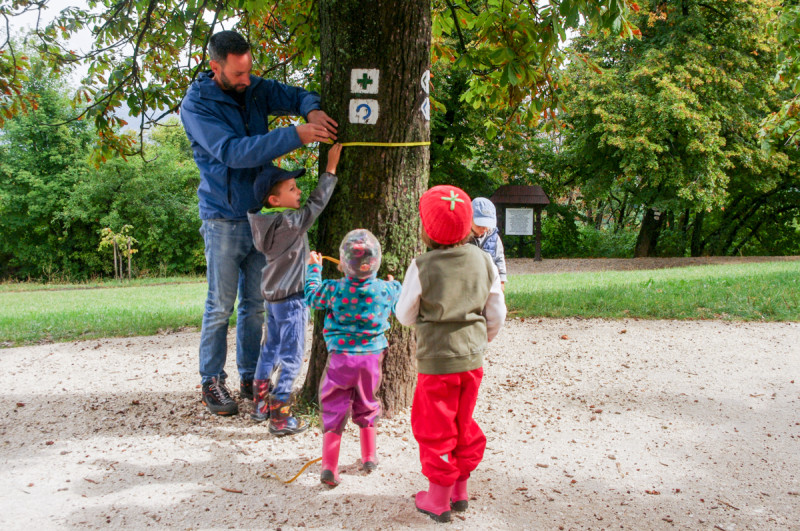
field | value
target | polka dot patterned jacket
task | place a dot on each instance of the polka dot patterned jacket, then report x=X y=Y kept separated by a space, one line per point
x=356 y=310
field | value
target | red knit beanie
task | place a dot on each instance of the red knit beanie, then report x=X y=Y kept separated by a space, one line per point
x=446 y=213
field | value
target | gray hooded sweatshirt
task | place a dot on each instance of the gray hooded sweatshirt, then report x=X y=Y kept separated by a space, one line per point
x=283 y=238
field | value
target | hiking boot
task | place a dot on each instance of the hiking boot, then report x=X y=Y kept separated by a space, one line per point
x=217 y=398
x=281 y=421
x=261 y=389
x=246 y=389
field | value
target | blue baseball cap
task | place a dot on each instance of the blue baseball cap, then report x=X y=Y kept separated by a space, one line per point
x=268 y=176
x=483 y=213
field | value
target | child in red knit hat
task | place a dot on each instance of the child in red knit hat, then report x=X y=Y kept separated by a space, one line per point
x=452 y=295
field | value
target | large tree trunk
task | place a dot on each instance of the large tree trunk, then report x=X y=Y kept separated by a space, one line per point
x=648 y=235
x=379 y=187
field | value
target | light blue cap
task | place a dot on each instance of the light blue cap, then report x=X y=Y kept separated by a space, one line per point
x=483 y=213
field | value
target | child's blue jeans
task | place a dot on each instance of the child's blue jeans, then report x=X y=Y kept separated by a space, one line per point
x=286 y=339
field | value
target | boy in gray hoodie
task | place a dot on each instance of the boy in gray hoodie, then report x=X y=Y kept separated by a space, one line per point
x=280 y=232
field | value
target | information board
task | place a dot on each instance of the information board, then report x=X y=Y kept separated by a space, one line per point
x=519 y=221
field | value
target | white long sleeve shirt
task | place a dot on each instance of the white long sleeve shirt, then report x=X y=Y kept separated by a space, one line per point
x=407 y=309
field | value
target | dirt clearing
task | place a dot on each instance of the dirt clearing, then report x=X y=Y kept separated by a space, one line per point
x=591 y=424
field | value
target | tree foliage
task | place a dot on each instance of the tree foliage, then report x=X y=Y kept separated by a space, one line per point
x=54 y=204
x=667 y=126
x=39 y=166
x=147 y=52
x=783 y=126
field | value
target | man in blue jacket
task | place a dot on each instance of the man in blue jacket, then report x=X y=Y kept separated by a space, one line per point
x=226 y=113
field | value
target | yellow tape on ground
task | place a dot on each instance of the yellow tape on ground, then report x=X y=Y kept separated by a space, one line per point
x=296 y=475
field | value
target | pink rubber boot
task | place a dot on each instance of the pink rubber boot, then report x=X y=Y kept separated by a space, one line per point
x=330 y=458
x=435 y=502
x=459 y=501
x=368 y=460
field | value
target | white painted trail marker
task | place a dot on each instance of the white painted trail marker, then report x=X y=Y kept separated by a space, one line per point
x=364 y=80
x=425 y=81
x=426 y=109
x=363 y=111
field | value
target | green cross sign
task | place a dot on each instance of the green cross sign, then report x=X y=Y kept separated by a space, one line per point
x=364 y=81
x=453 y=200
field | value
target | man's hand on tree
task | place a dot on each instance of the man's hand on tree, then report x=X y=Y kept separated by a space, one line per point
x=319 y=117
x=309 y=133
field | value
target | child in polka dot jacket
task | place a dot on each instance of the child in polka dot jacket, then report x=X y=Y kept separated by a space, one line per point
x=357 y=309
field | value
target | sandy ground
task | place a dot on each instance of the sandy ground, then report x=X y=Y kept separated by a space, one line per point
x=591 y=424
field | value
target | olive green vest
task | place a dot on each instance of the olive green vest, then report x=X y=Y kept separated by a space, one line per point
x=450 y=328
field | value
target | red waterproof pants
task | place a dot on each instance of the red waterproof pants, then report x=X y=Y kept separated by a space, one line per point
x=451 y=443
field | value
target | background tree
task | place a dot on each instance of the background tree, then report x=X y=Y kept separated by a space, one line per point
x=671 y=121
x=782 y=127
x=159 y=198
x=40 y=165
x=53 y=203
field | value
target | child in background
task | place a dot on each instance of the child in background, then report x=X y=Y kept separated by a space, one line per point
x=357 y=309
x=279 y=231
x=452 y=296
x=486 y=235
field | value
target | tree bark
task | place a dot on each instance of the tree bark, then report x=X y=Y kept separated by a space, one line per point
x=379 y=187
x=598 y=218
x=621 y=219
x=116 y=269
x=537 y=253
x=648 y=235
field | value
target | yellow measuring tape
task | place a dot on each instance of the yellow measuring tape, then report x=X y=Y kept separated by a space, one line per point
x=296 y=475
x=382 y=144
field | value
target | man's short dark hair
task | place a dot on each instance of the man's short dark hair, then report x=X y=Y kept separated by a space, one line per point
x=224 y=43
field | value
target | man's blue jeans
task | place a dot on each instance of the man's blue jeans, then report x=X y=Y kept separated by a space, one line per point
x=285 y=344
x=232 y=264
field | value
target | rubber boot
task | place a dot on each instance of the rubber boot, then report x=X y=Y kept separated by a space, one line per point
x=261 y=390
x=330 y=458
x=459 y=501
x=435 y=502
x=281 y=421
x=368 y=460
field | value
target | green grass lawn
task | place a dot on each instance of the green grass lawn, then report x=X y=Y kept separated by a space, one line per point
x=102 y=283
x=752 y=291
x=31 y=313
x=68 y=314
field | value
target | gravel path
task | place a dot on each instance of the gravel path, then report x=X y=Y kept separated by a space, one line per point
x=591 y=424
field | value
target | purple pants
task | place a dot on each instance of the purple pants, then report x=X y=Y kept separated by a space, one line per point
x=350 y=383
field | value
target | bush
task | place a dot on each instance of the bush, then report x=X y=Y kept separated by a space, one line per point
x=606 y=243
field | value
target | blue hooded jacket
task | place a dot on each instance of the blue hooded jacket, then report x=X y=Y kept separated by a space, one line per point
x=231 y=143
